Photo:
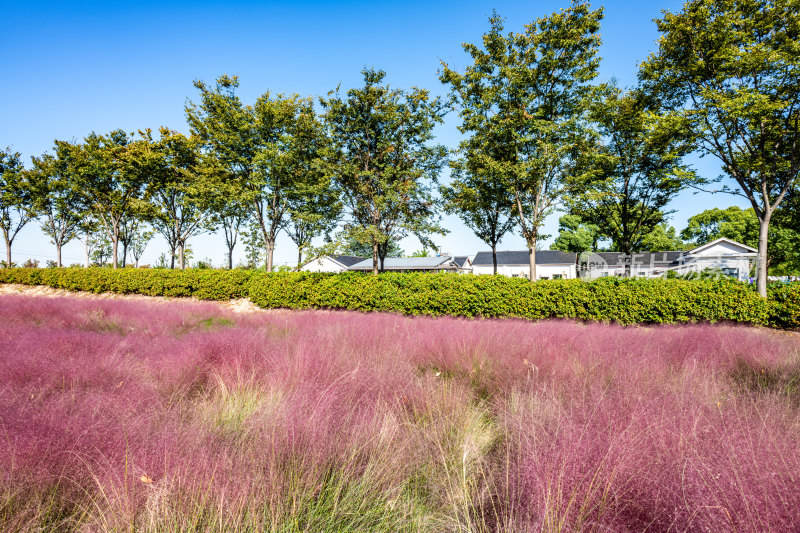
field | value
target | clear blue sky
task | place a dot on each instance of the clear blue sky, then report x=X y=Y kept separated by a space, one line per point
x=98 y=66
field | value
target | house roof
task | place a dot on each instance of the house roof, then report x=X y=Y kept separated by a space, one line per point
x=347 y=260
x=410 y=263
x=720 y=240
x=461 y=260
x=639 y=258
x=543 y=257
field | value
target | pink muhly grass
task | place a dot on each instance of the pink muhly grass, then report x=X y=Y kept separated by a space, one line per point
x=120 y=414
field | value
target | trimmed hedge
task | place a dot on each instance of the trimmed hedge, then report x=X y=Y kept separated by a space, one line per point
x=785 y=305
x=625 y=301
x=205 y=284
x=620 y=300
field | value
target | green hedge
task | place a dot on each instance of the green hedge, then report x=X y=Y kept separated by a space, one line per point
x=205 y=284
x=624 y=301
x=785 y=303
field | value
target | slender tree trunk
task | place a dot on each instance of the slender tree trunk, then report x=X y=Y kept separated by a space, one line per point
x=124 y=254
x=181 y=248
x=172 y=257
x=494 y=257
x=532 y=261
x=299 y=258
x=88 y=244
x=270 y=252
x=115 y=244
x=374 y=256
x=761 y=257
x=8 y=253
x=230 y=257
x=58 y=255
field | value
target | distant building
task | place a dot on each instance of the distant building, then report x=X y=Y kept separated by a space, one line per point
x=336 y=263
x=444 y=263
x=464 y=264
x=725 y=255
x=550 y=264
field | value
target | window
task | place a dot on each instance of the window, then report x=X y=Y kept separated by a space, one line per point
x=557 y=276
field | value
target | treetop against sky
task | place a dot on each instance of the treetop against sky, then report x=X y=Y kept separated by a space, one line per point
x=99 y=66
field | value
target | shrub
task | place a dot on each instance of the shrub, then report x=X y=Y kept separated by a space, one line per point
x=625 y=301
x=785 y=305
x=619 y=300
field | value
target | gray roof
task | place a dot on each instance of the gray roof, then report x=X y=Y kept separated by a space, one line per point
x=409 y=263
x=543 y=257
x=639 y=258
x=348 y=260
x=460 y=260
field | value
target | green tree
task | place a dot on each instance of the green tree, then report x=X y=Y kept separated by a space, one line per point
x=663 y=237
x=55 y=199
x=383 y=163
x=15 y=198
x=522 y=105
x=575 y=235
x=730 y=70
x=313 y=201
x=481 y=201
x=259 y=146
x=181 y=195
x=636 y=169
x=112 y=172
x=735 y=223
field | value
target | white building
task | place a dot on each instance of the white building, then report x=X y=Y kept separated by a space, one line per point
x=337 y=263
x=550 y=264
x=729 y=257
x=443 y=263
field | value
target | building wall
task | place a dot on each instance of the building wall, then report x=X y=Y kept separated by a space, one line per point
x=567 y=271
x=323 y=264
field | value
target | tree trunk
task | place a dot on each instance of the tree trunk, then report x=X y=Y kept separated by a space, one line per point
x=115 y=243
x=761 y=257
x=494 y=257
x=8 y=253
x=88 y=243
x=58 y=255
x=374 y=256
x=181 y=248
x=299 y=258
x=172 y=257
x=230 y=257
x=270 y=252
x=532 y=261
x=124 y=254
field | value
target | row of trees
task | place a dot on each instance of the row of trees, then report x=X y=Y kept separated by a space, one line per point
x=724 y=82
x=539 y=135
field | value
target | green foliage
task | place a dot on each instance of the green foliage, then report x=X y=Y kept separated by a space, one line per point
x=625 y=301
x=574 y=235
x=271 y=153
x=620 y=300
x=205 y=284
x=661 y=237
x=635 y=169
x=522 y=102
x=730 y=73
x=384 y=164
x=785 y=301
x=15 y=198
x=55 y=199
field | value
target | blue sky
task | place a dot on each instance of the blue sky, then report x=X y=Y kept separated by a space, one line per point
x=97 y=66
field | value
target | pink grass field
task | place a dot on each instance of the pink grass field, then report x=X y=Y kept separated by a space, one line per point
x=125 y=415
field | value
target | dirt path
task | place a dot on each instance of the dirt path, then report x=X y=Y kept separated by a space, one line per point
x=237 y=306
